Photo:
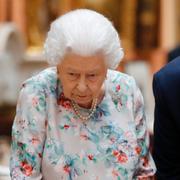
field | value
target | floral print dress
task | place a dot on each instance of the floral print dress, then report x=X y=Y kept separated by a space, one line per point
x=50 y=142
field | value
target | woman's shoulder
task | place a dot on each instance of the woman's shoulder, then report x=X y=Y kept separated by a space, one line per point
x=45 y=79
x=118 y=78
x=121 y=87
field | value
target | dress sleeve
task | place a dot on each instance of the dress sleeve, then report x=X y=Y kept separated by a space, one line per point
x=145 y=167
x=28 y=134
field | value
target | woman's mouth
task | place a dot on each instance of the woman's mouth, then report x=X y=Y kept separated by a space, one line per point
x=82 y=97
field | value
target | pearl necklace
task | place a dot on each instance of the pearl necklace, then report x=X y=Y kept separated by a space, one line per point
x=82 y=117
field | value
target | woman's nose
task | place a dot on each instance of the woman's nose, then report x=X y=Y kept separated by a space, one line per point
x=82 y=86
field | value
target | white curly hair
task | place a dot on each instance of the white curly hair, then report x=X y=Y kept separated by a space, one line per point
x=83 y=32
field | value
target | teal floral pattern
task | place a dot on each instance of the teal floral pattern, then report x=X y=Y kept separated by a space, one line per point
x=49 y=141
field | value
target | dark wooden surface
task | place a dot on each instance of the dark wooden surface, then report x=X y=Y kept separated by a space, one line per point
x=7 y=113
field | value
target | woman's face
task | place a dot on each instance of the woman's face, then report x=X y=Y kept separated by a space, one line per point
x=82 y=77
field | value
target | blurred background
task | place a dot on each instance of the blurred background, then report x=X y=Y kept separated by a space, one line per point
x=148 y=29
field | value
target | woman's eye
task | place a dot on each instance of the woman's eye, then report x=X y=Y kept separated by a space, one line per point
x=72 y=76
x=92 y=76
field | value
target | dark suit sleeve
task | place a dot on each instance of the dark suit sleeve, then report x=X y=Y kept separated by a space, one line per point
x=165 y=151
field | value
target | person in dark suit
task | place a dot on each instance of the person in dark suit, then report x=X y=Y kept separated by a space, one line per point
x=174 y=53
x=166 y=149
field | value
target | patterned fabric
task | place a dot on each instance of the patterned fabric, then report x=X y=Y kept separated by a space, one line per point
x=49 y=141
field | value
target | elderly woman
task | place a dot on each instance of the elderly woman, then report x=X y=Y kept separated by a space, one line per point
x=79 y=119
